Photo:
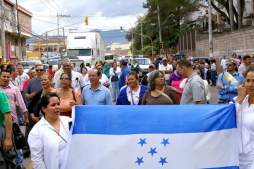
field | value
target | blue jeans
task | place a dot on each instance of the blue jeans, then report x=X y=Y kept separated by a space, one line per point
x=115 y=90
x=19 y=158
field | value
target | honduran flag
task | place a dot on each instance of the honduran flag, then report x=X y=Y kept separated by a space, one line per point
x=154 y=137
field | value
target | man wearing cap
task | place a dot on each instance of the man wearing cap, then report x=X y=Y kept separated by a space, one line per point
x=124 y=72
x=166 y=68
x=228 y=82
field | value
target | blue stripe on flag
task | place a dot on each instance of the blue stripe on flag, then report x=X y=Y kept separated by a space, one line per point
x=125 y=120
x=231 y=167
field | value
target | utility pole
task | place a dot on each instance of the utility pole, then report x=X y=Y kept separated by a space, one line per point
x=19 y=53
x=159 y=20
x=239 y=14
x=64 y=41
x=3 y=31
x=142 y=42
x=47 y=48
x=231 y=15
x=58 y=16
x=210 y=28
x=252 y=12
x=58 y=25
x=132 y=44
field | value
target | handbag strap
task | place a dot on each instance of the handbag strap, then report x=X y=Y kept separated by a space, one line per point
x=73 y=95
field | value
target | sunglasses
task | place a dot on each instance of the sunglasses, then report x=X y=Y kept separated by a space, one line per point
x=39 y=70
x=64 y=79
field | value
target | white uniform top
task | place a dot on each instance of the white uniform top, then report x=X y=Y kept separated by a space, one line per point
x=245 y=124
x=48 y=149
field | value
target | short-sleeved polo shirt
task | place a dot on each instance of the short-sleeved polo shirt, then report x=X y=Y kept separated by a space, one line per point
x=194 y=90
x=100 y=96
x=4 y=108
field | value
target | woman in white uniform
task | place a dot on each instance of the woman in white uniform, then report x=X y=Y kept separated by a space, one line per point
x=245 y=119
x=50 y=137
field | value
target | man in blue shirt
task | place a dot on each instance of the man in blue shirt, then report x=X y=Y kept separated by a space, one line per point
x=95 y=93
x=227 y=86
x=124 y=72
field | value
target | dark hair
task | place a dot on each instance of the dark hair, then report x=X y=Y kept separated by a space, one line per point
x=81 y=68
x=184 y=63
x=151 y=80
x=250 y=69
x=134 y=73
x=11 y=68
x=44 y=102
x=69 y=75
x=19 y=64
x=246 y=57
x=5 y=70
x=124 y=62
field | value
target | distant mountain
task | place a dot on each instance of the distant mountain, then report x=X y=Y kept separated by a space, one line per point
x=113 y=36
x=109 y=37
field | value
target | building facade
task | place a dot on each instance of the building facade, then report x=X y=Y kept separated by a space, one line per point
x=16 y=17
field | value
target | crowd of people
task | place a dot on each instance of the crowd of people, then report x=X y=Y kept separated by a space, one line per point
x=42 y=100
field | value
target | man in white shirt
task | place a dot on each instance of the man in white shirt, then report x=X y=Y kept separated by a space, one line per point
x=77 y=79
x=21 y=78
x=223 y=63
x=166 y=68
x=245 y=64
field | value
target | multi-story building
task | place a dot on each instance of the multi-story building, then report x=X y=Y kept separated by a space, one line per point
x=16 y=16
x=47 y=44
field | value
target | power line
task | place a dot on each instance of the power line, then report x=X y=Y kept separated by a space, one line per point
x=46 y=5
x=45 y=21
x=52 y=5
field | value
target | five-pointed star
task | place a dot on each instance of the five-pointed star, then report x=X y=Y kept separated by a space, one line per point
x=163 y=161
x=165 y=142
x=139 y=160
x=142 y=142
x=152 y=151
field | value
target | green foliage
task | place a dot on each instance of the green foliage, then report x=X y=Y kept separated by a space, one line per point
x=171 y=13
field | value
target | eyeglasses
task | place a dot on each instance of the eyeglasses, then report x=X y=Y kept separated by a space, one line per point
x=64 y=79
x=39 y=70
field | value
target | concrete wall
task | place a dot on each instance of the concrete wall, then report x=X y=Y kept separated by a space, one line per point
x=240 y=42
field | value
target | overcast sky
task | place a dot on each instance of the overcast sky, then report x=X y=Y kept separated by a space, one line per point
x=103 y=14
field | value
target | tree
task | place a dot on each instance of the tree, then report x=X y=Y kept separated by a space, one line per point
x=222 y=7
x=172 y=13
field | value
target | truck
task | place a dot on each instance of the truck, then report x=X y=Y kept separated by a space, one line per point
x=86 y=46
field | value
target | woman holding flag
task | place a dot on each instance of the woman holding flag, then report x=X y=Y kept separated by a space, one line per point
x=50 y=138
x=245 y=119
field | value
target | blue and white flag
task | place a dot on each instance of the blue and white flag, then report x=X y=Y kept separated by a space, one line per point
x=154 y=137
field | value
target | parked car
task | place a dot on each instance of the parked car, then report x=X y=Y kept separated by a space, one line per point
x=27 y=65
x=143 y=63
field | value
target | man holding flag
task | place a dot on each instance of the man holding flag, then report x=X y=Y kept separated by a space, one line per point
x=228 y=83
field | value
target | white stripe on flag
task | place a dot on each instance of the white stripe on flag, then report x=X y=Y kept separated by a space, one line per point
x=184 y=151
